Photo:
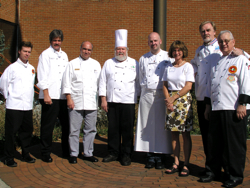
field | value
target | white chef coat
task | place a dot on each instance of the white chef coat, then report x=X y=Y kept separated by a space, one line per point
x=119 y=81
x=51 y=67
x=80 y=80
x=152 y=68
x=151 y=135
x=201 y=67
x=225 y=87
x=178 y=76
x=17 y=85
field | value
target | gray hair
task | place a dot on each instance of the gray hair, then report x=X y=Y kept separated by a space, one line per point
x=226 y=31
x=83 y=44
x=55 y=34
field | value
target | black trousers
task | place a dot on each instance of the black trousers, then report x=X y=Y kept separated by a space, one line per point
x=21 y=122
x=120 y=129
x=227 y=144
x=50 y=113
x=203 y=123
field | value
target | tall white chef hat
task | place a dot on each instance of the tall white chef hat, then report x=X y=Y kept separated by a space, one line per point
x=121 y=36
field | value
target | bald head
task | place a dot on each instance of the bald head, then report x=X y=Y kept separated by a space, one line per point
x=154 y=42
x=86 y=49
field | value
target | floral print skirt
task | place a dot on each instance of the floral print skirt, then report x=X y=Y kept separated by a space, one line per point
x=181 y=119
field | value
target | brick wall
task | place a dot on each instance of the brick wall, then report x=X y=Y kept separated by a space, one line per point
x=8 y=10
x=97 y=20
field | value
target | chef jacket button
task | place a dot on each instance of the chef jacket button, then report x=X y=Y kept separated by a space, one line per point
x=119 y=89
x=218 y=101
x=206 y=62
x=116 y=73
x=148 y=82
x=123 y=73
x=206 y=83
x=121 y=81
x=205 y=73
x=158 y=67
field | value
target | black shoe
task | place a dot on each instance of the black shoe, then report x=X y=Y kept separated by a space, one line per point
x=91 y=159
x=206 y=179
x=109 y=158
x=159 y=165
x=29 y=159
x=73 y=160
x=47 y=158
x=232 y=183
x=203 y=172
x=10 y=163
x=126 y=160
x=150 y=165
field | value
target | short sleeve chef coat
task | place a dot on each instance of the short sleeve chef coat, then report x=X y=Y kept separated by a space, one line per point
x=51 y=67
x=17 y=85
x=119 y=81
x=152 y=68
x=81 y=80
x=229 y=77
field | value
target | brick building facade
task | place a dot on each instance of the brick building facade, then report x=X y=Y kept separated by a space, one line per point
x=97 y=20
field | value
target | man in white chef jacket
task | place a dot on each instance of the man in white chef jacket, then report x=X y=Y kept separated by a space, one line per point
x=51 y=66
x=118 y=89
x=201 y=68
x=227 y=103
x=151 y=136
x=80 y=85
x=17 y=87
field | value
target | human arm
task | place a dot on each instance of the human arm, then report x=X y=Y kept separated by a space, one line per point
x=183 y=91
x=166 y=94
x=5 y=79
x=70 y=102
x=104 y=103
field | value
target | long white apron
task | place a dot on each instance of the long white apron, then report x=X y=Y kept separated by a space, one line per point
x=151 y=135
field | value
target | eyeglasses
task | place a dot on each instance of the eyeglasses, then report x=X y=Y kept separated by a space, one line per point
x=226 y=41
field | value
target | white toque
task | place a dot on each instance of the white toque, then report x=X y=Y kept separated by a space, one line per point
x=121 y=36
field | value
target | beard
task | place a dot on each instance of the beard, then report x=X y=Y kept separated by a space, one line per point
x=121 y=58
x=207 y=40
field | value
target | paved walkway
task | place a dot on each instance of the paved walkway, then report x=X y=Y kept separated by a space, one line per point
x=60 y=173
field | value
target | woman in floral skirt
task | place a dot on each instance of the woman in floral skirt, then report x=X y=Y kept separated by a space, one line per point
x=178 y=79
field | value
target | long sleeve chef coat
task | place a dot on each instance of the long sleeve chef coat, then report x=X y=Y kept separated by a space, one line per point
x=51 y=67
x=119 y=81
x=228 y=79
x=17 y=85
x=201 y=67
x=152 y=68
x=81 y=80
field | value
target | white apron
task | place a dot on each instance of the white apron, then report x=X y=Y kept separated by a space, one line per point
x=151 y=135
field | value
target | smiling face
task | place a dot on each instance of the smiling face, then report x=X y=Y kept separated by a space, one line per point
x=226 y=43
x=121 y=53
x=207 y=33
x=154 y=42
x=56 y=43
x=24 y=54
x=177 y=54
x=86 y=50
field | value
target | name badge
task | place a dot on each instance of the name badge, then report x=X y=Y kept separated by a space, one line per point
x=77 y=69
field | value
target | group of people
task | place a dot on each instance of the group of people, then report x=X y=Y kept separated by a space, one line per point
x=69 y=91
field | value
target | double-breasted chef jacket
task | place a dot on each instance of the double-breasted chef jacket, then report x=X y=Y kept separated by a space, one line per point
x=17 y=85
x=51 y=67
x=119 y=81
x=81 y=80
x=151 y=135
x=228 y=86
x=228 y=81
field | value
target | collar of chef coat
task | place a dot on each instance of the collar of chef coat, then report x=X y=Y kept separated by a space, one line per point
x=23 y=64
x=156 y=55
x=59 y=54
x=211 y=43
x=120 y=64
